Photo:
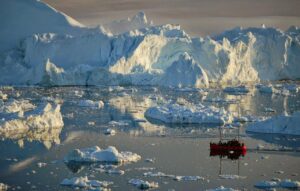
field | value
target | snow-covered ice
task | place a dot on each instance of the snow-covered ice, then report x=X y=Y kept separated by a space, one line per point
x=142 y=184
x=282 y=124
x=95 y=154
x=188 y=113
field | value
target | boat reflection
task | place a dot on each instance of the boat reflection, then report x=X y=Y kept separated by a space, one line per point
x=232 y=155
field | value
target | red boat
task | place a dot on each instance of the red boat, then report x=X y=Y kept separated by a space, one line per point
x=232 y=145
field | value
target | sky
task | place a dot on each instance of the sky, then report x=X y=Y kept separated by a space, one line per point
x=197 y=17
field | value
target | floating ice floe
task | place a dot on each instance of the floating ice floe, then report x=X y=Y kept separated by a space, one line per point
x=84 y=182
x=237 y=90
x=283 y=184
x=249 y=118
x=91 y=104
x=142 y=184
x=41 y=164
x=174 y=177
x=266 y=184
x=110 y=131
x=222 y=188
x=289 y=184
x=109 y=169
x=120 y=123
x=231 y=176
x=283 y=124
x=268 y=109
x=184 y=114
x=95 y=154
x=3 y=187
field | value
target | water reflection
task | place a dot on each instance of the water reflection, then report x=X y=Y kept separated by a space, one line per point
x=135 y=107
x=232 y=155
x=47 y=136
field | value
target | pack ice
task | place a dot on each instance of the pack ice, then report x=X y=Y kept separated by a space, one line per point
x=43 y=46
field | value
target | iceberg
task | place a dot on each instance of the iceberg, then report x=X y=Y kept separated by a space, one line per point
x=188 y=114
x=43 y=123
x=95 y=154
x=138 y=21
x=282 y=124
x=64 y=52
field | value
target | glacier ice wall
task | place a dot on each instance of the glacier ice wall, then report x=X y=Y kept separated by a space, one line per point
x=144 y=54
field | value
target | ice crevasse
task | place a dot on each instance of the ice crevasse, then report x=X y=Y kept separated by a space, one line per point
x=68 y=53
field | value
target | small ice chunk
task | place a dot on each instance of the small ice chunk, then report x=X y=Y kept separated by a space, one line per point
x=3 y=187
x=141 y=184
x=84 y=182
x=120 y=123
x=266 y=184
x=260 y=147
x=41 y=164
x=115 y=171
x=188 y=178
x=3 y=96
x=110 y=131
x=95 y=154
x=268 y=109
x=290 y=184
x=91 y=104
x=231 y=176
x=279 y=172
x=150 y=160
x=91 y=123
x=222 y=188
